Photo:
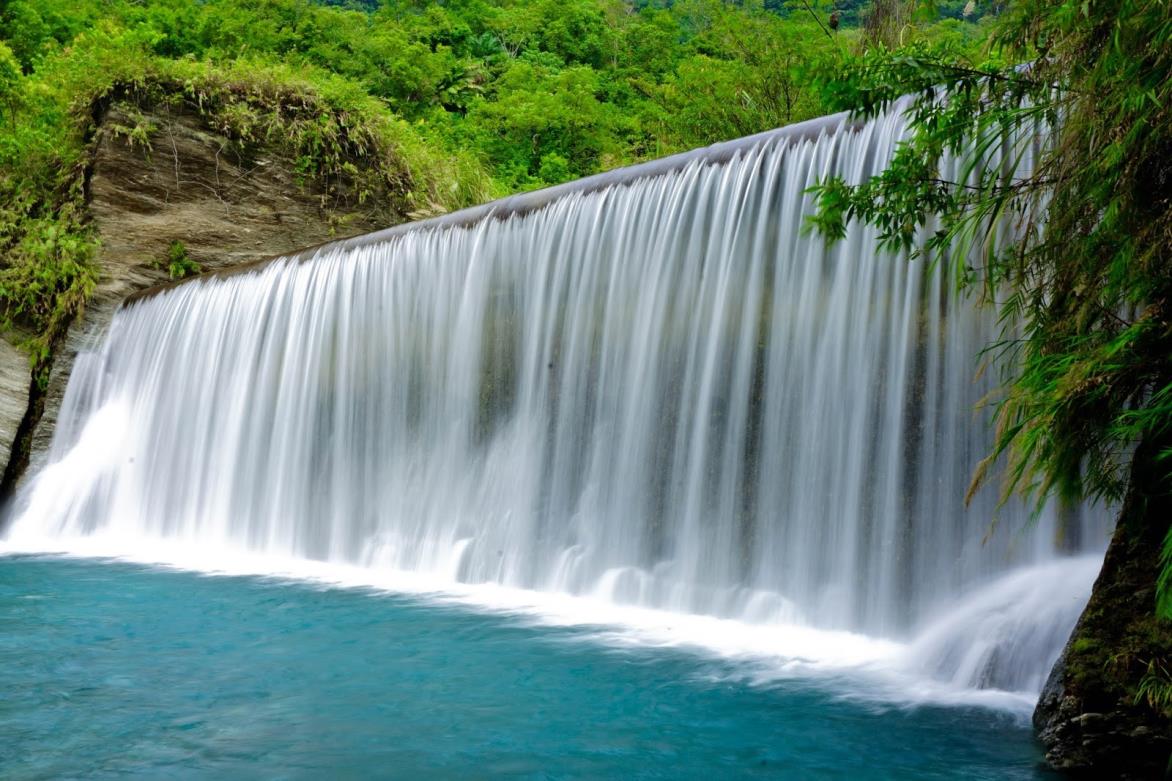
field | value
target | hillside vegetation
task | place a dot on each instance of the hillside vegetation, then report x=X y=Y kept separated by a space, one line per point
x=446 y=104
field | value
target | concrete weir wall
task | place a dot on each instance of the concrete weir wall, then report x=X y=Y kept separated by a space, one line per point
x=523 y=203
x=233 y=216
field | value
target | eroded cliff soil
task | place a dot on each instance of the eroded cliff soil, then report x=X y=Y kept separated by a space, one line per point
x=227 y=205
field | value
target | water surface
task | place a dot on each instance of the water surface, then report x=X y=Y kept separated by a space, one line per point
x=115 y=669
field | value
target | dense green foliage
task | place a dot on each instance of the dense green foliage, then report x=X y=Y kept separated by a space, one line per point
x=438 y=104
x=1085 y=287
x=589 y=83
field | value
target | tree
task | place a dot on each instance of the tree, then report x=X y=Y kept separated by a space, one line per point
x=11 y=83
x=1090 y=277
x=1084 y=292
x=748 y=73
x=541 y=111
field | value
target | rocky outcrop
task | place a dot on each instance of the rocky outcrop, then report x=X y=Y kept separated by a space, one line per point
x=14 y=392
x=186 y=183
x=1093 y=717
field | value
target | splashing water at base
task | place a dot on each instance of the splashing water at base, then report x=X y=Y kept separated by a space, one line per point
x=996 y=635
x=1014 y=626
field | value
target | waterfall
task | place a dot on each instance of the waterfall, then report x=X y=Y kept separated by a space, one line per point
x=660 y=392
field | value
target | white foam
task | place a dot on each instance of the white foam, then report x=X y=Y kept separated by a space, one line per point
x=857 y=667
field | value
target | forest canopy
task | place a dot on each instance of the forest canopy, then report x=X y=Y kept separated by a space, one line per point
x=568 y=87
x=466 y=100
x=1084 y=291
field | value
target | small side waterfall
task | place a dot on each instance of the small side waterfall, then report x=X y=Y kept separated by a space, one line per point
x=661 y=392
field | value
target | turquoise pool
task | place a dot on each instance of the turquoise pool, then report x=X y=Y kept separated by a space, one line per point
x=110 y=669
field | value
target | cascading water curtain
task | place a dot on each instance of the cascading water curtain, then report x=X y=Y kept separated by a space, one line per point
x=663 y=392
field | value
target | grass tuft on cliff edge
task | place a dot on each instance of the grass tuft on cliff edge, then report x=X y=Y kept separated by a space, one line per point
x=346 y=146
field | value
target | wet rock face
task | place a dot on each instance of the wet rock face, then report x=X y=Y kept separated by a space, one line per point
x=191 y=185
x=1121 y=743
x=14 y=387
x=227 y=207
x=1090 y=717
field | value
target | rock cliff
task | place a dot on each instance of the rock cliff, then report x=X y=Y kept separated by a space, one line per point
x=184 y=183
x=1094 y=717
